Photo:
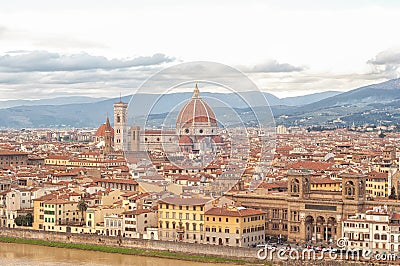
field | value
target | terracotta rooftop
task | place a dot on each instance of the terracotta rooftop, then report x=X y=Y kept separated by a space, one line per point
x=184 y=201
x=234 y=212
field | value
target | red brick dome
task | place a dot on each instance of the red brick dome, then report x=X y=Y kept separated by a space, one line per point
x=102 y=129
x=196 y=113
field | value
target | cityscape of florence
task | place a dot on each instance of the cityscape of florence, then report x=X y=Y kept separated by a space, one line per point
x=212 y=133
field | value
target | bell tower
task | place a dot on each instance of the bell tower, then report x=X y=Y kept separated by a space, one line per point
x=298 y=184
x=120 y=125
x=107 y=138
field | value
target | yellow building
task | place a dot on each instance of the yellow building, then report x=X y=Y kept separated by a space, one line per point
x=38 y=211
x=326 y=184
x=181 y=219
x=56 y=160
x=377 y=184
x=59 y=212
x=234 y=226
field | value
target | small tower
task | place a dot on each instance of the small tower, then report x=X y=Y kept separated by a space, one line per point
x=298 y=184
x=120 y=125
x=107 y=138
x=353 y=187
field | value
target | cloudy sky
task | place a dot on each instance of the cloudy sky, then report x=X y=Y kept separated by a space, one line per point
x=101 y=48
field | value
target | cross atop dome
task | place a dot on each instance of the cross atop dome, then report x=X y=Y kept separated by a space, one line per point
x=196 y=93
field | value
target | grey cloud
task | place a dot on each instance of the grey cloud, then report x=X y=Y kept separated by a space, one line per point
x=387 y=57
x=386 y=63
x=44 y=61
x=273 y=66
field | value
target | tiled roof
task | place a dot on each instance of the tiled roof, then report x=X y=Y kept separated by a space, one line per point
x=234 y=212
x=184 y=201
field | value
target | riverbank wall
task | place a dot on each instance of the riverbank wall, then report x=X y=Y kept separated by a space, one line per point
x=245 y=254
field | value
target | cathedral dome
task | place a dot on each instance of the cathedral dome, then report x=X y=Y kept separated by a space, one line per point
x=196 y=113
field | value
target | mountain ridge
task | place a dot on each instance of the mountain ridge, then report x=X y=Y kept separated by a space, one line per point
x=314 y=109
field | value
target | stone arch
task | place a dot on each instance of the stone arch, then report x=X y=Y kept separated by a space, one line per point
x=331 y=230
x=309 y=225
x=349 y=188
x=295 y=186
x=320 y=228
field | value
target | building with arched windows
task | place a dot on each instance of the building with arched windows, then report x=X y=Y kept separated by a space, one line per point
x=315 y=216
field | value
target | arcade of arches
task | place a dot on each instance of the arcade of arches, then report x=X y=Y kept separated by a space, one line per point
x=303 y=215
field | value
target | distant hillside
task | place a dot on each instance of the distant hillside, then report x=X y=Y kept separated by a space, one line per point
x=376 y=93
x=51 y=101
x=308 y=99
x=319 y=108
x=373 y=104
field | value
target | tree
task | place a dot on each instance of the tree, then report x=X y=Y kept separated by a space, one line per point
x=82 y=207
x=24 y=220
x=392 y=193
x=29 y=219
x=19 y=220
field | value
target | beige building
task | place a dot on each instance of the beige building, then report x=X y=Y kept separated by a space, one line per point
x=137 y=222
x=369 y=230
x=234 y=226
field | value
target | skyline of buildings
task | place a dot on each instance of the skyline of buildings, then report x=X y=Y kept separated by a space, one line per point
x=315 y=184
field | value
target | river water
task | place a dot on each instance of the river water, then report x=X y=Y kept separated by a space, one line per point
x=23 y=254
